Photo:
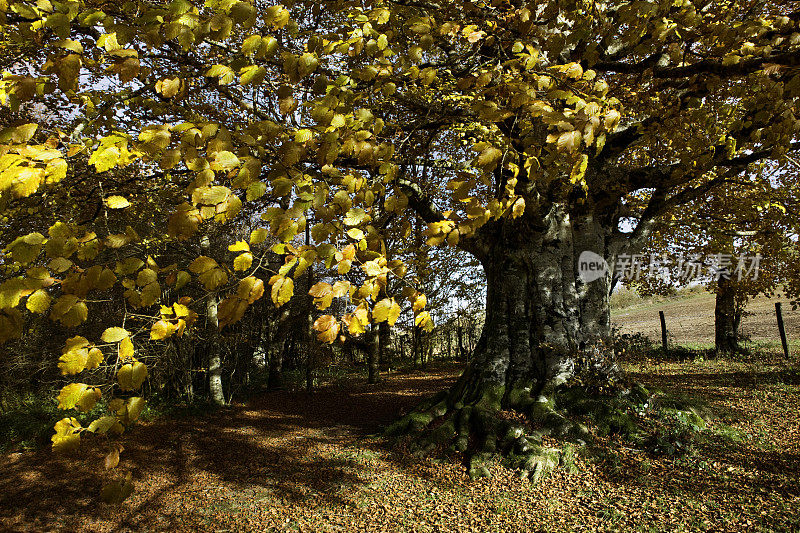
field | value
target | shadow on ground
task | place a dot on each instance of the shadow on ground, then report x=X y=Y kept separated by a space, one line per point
x=276 y=445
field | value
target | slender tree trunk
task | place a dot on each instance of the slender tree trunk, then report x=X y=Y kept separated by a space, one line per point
x=385 y=345
x=275 y=376
x=727 y=316
x=449 y=344
x=215 y=389
x=373 y=350
x=462 y=351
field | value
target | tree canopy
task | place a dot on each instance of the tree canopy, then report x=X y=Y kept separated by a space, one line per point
x=134 y=127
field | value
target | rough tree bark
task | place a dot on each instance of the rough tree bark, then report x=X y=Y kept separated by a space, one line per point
x=543 y=323
x=727 y=316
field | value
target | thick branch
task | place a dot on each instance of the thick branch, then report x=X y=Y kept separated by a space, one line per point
x=707 y=66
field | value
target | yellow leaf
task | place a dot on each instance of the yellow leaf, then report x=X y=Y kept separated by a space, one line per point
x=243 y=261
x=112 y=459
x=117 y=202
x=258 y=236
x=419 y=303
x=38 y=302
x=202 y=264
x=239 y=246
x=102 y=424
x=424 y=321
x=223 y=160
x=77 y=356
x=213 y=279
x=250 y=289
x=67 y=436
x=328 y=328
x=150 y=294
x=579 y=169
x=387 y=310
x=168 y=87
x=135 y=406
x=303 y=135
x=282 y=289
x=161 y=330
x=355 y=234
x=18 y=134
x=94 y=358
x=114 y=334
x=356 y=321
x=131 y=376
x=320 y=289
x=612 y=119
x=569 y=141
x=355 y=216
x=117 y=492
x=59 y=264
x=224 y=74
x=126 y=349
x=341 y=288
x=181 y=279
x=146 y=277
x=518 y=208
x=78 y=395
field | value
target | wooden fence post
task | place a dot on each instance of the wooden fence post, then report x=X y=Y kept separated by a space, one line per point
x=781 y=329
x=663 y=330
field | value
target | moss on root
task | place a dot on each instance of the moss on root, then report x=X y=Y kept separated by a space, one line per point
x=477 y=430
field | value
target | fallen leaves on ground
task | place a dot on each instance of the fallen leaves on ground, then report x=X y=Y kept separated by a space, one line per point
x=299 y=462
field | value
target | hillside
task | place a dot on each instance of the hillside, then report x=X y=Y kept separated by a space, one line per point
x=690 y=319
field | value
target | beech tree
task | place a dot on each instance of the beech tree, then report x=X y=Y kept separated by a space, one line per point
x=739 y=240
x=523 y=133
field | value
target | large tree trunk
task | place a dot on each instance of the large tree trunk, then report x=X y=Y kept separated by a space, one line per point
x=727 y=316
x=540 y=315
x=543 y=325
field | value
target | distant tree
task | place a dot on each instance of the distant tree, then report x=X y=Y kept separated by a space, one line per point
x=743 y=239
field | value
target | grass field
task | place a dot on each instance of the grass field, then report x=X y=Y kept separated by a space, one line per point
x=690 y=320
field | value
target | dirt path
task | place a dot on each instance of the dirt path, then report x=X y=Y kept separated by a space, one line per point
x=288 y=462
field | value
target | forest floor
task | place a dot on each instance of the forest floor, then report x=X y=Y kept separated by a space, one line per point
x=297 y=462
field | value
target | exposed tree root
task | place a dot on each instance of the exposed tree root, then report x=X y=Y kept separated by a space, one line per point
x=481 y=431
